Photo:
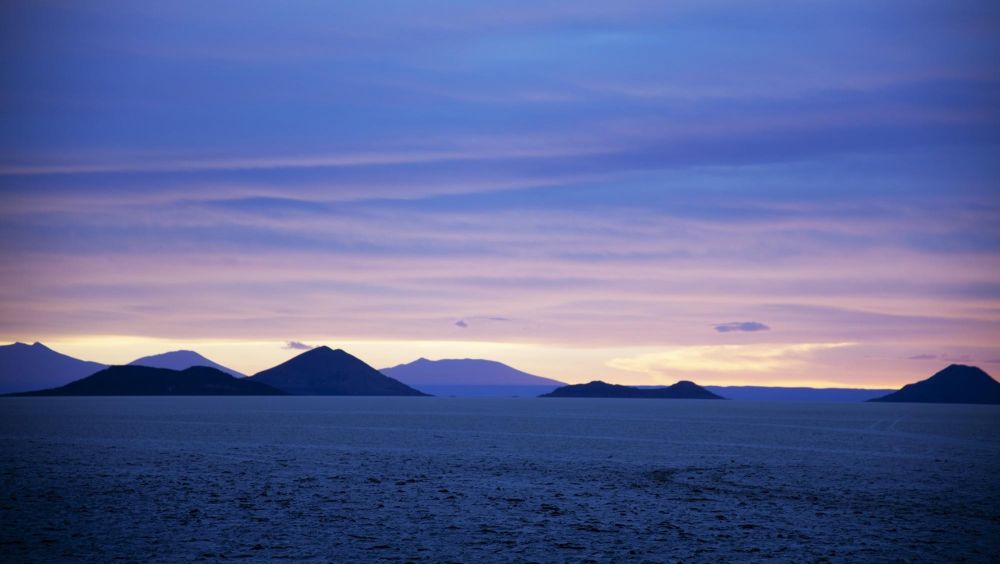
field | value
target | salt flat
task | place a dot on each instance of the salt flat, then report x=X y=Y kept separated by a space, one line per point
x=465 y=479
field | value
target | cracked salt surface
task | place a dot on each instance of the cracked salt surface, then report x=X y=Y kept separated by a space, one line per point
x=464 y=479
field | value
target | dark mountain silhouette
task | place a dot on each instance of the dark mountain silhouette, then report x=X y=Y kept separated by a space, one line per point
x=179 y=360
x=771 y=393
x=33 y=367
x=146 y=381
x=597 y=389
x=470 y=377
x=323 y=371
x=956 y=384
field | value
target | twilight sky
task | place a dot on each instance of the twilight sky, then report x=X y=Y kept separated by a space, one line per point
x=777 y=192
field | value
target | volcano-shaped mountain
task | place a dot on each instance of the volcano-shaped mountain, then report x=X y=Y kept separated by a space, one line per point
x=470 y=377
x=323 y=371
x=179 y=360
x=956 y=384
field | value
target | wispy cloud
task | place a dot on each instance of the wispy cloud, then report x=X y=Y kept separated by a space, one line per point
x=279 y=162
x=723 y=358
x=958 y=358
x=297 y=345
x=741 y=326
x=468 y=321
x=944 y=357
x=553 y=173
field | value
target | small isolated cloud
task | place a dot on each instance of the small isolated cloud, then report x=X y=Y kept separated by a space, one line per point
x=744 y=326
x=297 y=345
x=923 y=357
x=467 y=321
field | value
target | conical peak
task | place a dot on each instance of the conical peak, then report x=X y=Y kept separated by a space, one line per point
x=959 y=369
x=324 y=352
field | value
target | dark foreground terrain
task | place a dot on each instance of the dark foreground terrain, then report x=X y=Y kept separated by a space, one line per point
x=168 y=479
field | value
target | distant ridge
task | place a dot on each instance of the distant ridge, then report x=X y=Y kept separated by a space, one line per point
x=179 y=360
x=324 y=371
x=781 y=393
x=33 y=367
x=146 y=381
x=598 y=389
x=470 y=377
x=957 y=383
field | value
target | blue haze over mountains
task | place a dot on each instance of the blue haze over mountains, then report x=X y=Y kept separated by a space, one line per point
x=470 y=377
x=780 y=393
x=26 y=367
x=179 y=360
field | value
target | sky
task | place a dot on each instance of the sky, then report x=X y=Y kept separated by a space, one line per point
x=726 y=191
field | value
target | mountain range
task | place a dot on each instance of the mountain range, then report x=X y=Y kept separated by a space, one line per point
x=470 y=377
x=598 y=389
x=780 y=393
x=324 y=371
x=320 y=371
x=146 y=381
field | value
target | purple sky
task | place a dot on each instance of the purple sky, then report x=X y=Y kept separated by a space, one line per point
x=724 y=191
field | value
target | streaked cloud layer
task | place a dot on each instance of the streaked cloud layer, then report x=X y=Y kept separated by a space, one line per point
x=591 y=189
x=724 y=358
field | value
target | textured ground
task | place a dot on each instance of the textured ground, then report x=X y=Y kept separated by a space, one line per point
x=467 y=479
